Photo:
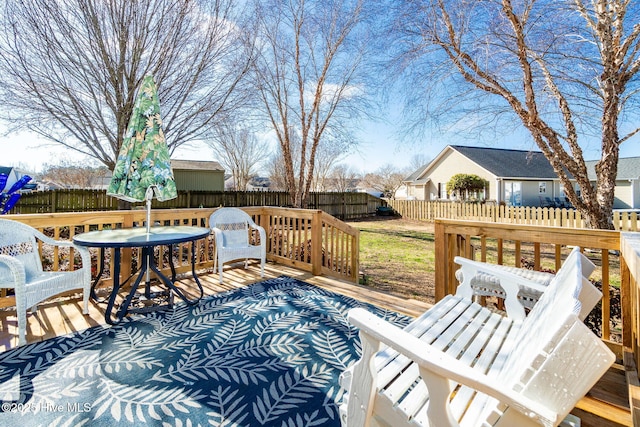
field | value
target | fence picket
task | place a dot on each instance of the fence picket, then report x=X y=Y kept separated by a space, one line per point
x=344 y=206
x=427 y=210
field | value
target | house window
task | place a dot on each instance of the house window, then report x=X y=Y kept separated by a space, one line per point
x=542 y=188
x=442 y=190
x=513 y=193
x=563 y=194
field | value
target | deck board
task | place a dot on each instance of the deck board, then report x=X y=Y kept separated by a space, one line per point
x=61 y=316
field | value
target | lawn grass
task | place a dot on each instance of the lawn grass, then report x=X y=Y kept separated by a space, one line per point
x=397 y=256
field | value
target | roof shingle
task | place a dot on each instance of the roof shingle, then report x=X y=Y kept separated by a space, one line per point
x=508 y=163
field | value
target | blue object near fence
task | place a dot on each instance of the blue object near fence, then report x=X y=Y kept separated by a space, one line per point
x=9 y=198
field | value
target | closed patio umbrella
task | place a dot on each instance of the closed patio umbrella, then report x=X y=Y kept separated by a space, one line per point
x=8 y=199
x=143 y=168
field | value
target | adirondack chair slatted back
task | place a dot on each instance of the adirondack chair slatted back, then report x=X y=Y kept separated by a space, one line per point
x=17 y=240
x=554 y=348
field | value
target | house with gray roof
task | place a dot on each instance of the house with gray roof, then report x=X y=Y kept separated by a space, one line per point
x=627 y=192
x=516 y=177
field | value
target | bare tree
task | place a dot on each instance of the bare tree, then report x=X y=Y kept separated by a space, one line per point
x=565 y=69
x=326 y=157
x=69 y=69
x=239 y=151
x=309 y=77
x=417 y=161
x=387 y=179
x=73 y=174
x=275 y=168
x=343 y=178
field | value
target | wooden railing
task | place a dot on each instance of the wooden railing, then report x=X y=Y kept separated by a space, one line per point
x=310 y=240
x=429 y=210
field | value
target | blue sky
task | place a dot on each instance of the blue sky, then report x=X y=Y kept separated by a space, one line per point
x=380 y=146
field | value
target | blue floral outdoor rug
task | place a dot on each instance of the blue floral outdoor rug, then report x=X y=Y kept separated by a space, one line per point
x=266 y=355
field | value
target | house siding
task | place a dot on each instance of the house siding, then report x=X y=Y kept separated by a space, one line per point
x=450 y=164
x=199 y=180
x=531 y=192
x=623 y=195
x=418 y=192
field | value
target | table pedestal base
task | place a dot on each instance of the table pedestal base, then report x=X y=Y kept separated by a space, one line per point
x=145 y=239
x=148 y=264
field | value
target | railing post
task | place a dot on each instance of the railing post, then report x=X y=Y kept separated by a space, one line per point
x=316 y=243
x=264 y=220
x=441 y=260
x=355 y=258
x=626 y=303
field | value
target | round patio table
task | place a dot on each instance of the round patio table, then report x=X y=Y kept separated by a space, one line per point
x=139 y=238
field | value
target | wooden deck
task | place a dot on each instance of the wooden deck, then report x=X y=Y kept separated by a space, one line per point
x=64 y=315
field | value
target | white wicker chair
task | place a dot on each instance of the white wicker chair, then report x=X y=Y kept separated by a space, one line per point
x=21 y=269
x=232 y=228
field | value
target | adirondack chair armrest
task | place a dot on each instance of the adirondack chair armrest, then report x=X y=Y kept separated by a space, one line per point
x=438 y=370
x=510 y=282
x=589 y=294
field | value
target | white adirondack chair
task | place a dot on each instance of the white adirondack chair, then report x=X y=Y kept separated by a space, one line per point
x=233 y=229
x=21 y=269
x=461 y=364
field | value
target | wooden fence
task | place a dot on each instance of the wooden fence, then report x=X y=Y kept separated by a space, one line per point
x=488 y=212
x=345 y=206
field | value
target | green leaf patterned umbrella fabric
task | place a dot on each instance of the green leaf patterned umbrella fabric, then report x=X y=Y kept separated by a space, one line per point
x=143 y=161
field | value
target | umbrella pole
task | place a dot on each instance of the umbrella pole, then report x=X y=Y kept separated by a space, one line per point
x=148 y=196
